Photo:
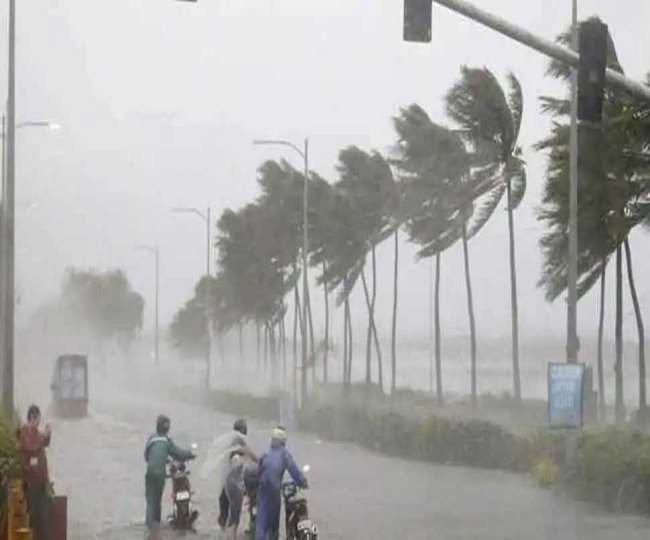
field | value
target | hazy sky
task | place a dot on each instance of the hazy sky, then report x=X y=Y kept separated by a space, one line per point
x=160 y=101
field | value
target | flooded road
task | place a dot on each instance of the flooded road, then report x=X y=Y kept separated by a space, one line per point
x=355 y=494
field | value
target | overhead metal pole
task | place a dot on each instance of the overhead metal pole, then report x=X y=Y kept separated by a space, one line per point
x=572 y=300
x=545 y=46
x=8 y=366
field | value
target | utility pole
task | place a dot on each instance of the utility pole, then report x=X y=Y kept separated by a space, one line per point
x=572 y=289
x=304 y=154
x=206 y=217
x=305 y=281
x=9 y=233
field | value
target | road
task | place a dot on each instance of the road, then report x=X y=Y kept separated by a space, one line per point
x=355 y=494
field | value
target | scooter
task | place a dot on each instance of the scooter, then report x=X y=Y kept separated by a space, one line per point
x=298 y=524
x=183 y=514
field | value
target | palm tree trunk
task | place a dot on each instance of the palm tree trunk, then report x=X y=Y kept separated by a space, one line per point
x=436 y=312
x=241 y=343
x=393 y=350
x=380 y=364
x=327 y=327
x=601 y=324
x=472 y=323
x=619 y=405
x=350 y=341
x=345 y=342
x=643 y=404
x=266 y=347
x=257 y=335
x=297 y=325
x=312 y=350
x=516 y=376
x=283 y=337
x=380 y=373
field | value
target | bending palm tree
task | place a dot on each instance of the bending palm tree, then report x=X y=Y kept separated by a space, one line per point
x=491 y=122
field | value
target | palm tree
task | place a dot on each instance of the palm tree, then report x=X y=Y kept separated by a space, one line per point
x=615 y=183
x=431 y=160
x=491 y=122
x=367 y=181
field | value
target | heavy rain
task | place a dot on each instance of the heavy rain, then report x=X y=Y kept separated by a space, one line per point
x=324 y=269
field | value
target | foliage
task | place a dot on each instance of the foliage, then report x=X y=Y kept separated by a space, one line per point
x=104 y=303
x=613 y=199
x=613 y=468
x=188 y=331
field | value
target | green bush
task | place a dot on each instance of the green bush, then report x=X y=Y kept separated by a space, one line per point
x=612 y=467
x=609 y=466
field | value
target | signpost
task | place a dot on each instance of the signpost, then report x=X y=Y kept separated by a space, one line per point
x=565 y=395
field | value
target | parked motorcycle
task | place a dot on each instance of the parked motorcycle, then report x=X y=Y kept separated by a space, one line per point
x=183 y=514
x=298 y=524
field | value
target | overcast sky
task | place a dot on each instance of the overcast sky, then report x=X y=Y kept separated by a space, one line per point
x=159 y=102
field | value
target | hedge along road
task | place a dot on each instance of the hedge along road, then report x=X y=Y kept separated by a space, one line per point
x=355 y=494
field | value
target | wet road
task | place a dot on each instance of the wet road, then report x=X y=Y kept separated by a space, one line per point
x=355 y=494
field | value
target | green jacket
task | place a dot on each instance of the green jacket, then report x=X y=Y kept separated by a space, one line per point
x=156 y=452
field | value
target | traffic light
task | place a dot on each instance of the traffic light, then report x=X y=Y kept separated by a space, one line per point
x=591 y=70
x=417 y=20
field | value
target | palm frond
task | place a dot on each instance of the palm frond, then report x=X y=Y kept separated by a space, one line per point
x=485 y=210
x=516 y=175
x=516 y=104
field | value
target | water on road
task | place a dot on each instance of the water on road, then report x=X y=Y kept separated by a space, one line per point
x=355 y=494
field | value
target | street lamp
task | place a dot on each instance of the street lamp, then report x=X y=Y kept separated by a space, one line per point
x=7 y=225
x=305 y=249
x=205 y=216
x=156 y=253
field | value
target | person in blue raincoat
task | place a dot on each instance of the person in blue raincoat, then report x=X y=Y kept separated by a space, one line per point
x=272 y=466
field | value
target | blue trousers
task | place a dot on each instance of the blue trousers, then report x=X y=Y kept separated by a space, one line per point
x=267 y=526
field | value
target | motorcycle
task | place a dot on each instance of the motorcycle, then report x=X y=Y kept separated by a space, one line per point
x=250 y=488
x=183 y=514
x=297 y=522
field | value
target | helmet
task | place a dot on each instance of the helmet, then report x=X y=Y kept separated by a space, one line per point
x=162 y=424
x=241 y=425
x=279 y=436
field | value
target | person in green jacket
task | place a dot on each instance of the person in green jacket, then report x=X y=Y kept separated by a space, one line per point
x=158 y=449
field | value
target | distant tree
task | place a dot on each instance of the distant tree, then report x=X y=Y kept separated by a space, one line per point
x=104 y=303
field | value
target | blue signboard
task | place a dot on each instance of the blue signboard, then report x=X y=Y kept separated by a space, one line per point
x=565 y=390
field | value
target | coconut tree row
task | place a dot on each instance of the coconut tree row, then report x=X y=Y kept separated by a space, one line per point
x=438 y=184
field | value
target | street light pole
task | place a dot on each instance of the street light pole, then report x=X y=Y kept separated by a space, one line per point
x=8 y=367
x=572 y=300
x=155 y=251
x=305 y=250
x=206 y=217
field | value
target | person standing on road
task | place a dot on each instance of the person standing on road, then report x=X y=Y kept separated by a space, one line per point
x=230 y=452
x=159 y=447
x=31 y=449
x=272 y=467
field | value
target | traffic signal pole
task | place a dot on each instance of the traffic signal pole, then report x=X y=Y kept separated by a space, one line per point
x=540 y=44
x=572 y=284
